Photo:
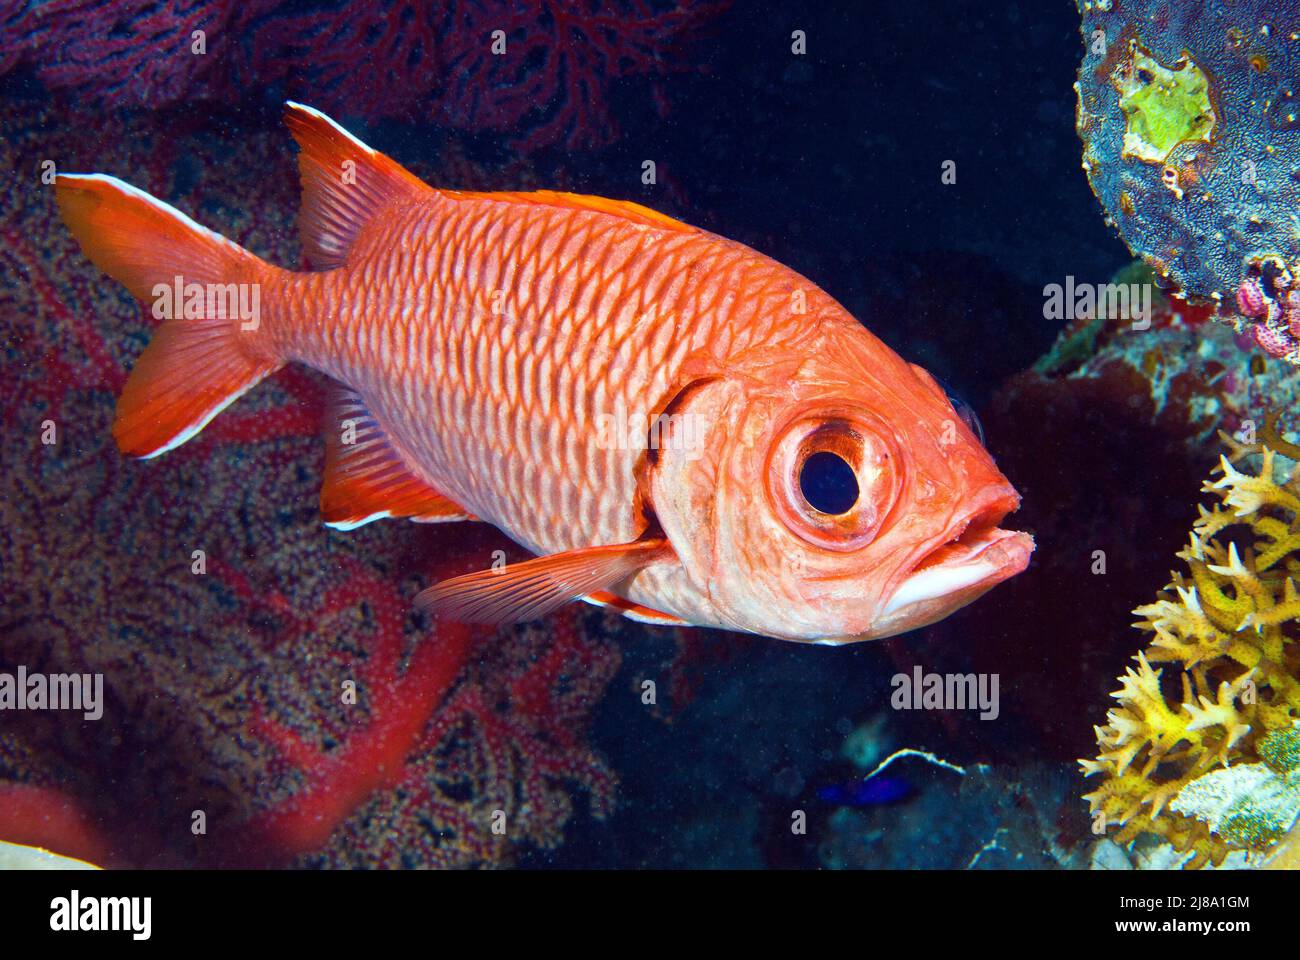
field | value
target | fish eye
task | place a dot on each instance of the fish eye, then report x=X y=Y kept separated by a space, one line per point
x=834 y=477
x=828 y=483
x=964 y=410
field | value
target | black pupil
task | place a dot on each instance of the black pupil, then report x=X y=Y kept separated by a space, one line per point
x=828 y=483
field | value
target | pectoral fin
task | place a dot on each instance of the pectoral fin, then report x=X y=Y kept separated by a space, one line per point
x=529 y=590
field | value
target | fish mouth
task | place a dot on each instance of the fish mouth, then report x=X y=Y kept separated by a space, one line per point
x=973 y=556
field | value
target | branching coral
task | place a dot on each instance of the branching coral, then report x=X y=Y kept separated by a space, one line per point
x=1228 y=693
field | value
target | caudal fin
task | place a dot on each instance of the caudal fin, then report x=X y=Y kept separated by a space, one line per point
x=206 y=353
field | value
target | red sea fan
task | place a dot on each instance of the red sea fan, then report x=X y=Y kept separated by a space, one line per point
x=222 y=690
x=374 y=60
x=124 y=52
x=540 y=70
x=549 y=76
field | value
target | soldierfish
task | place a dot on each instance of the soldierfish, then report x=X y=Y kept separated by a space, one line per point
x=679 y=426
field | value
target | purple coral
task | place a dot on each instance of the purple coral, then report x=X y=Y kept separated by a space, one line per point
x=1269 y=305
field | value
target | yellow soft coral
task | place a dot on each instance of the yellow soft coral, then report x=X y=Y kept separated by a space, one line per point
x=1224 y=634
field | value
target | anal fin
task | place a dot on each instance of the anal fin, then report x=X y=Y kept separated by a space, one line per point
x=365 y=476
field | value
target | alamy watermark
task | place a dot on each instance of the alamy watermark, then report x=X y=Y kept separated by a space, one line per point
x=75 y=913
x=1108 y=301
x=53 y=691
x=919 y=690
x=179 y=300
x=624 y=430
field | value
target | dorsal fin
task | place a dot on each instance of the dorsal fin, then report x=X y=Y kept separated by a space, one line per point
x=581 y=201
x=337 y=199
x=365 y=477
x=334 y=208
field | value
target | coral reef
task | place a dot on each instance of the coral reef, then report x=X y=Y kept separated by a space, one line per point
x=1195 y=377
x=277 y=682
x=1188 y=121
x=541 y=71
x=1106 y=437
x=40 y=817
x=1201 y=750
x=14 y=856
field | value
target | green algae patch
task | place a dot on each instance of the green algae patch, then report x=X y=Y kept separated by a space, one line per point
x=1281 y=751
x=1163 y=107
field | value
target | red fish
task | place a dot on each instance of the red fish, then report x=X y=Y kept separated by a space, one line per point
x=679 y=426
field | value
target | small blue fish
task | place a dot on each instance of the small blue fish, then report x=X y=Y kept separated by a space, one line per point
x=875 y=792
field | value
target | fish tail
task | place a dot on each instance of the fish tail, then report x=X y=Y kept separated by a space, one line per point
x=205 y=289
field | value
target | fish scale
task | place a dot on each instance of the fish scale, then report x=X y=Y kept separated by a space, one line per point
x=526 y=460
